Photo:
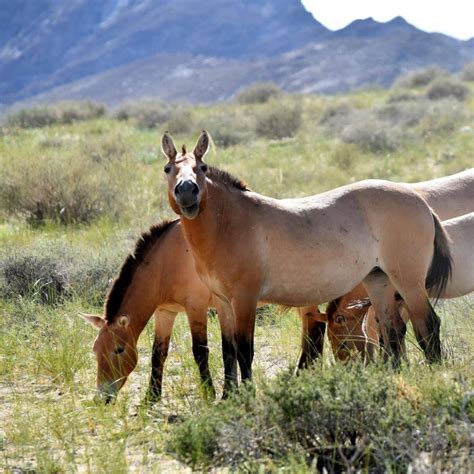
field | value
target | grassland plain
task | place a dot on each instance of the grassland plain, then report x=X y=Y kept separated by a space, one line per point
x=73 y=199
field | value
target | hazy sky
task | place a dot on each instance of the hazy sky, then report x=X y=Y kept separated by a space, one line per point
x=454 y=17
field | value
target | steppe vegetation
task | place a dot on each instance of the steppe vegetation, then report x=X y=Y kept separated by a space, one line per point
x=79 y=183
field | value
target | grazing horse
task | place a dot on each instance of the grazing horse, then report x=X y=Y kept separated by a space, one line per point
x=249 y=248
x=158 y=278
x=352 y=324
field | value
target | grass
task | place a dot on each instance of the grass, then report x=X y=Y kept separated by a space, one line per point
x=416 y=419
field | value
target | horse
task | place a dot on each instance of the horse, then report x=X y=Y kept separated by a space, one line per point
x=352 y=322
x=248 y=247
x=449 y=197
x=157 y=278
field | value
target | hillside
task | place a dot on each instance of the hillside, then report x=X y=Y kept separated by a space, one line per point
x=191 y=51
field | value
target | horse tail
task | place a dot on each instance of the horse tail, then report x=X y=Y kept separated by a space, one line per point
x=441 y=265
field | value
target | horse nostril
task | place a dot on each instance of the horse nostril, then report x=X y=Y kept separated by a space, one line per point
x=176 y=190
x=195 y=189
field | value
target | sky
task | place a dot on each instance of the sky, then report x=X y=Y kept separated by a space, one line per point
x=454 y=17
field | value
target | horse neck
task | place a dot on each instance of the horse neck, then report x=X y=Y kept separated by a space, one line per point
x=144 y=292
x=206 y=231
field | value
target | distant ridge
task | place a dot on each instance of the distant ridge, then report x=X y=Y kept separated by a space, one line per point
x=193 y=51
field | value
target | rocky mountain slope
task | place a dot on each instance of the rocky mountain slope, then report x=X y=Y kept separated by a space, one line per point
x=198 y=51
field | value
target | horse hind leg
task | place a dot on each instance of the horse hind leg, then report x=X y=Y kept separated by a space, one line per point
x=392 y=327
x=426 y=323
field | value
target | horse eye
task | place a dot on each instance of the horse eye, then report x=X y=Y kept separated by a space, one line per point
x=340 y=319
x=167 y=169
x=119 y=350
x=204 y=168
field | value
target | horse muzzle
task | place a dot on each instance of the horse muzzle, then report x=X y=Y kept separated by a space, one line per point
x=188 y=198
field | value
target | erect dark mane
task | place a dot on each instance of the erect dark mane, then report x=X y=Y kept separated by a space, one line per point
x=227 y=179
x=143 y=245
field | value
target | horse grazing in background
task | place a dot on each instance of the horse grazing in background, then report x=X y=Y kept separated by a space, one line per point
x=296 y=252
x=158 y=278
x=352 y=322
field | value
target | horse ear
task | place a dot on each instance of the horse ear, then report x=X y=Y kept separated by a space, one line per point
x=94 y=320
x=317 y=315
x=321 y=317
x=167 y=146
x=123 y=321
x=202 y=145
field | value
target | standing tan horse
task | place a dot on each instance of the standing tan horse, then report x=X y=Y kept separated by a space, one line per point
x=352 y=324
x=249 y=248
x=158 y=278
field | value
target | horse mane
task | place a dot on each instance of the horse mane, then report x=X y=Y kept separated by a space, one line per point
x=143 y=245
x=225 y=178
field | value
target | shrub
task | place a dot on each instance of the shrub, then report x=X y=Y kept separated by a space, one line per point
x=229 y=128
x=60 y=113
x=371 y=135
x=37 y=275
x=403 y=97
x=420 y=78
x=346 y=418
x=181 y=122
x=259 y=93
x=150 y=113
x=405 y=114
x=443 y=116
x=49 y=272
x=467 y=74
x=65 y=189
x=448 y=88
x=278 y=120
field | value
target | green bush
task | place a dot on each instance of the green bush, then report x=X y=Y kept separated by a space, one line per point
x=420 y=78
x=277 y=120
x=259 y=93
x=448 y=88
x=60 y=113
x=346 y=418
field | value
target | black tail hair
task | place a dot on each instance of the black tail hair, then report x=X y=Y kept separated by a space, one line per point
x=441 y=266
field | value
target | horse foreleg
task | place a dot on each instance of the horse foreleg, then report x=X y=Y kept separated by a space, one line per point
x=229 y=346
x=164 y=321
x=244 y=314
x=197 y=318
x=313 y=330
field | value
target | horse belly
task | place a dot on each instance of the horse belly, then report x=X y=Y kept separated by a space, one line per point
x=312 y=282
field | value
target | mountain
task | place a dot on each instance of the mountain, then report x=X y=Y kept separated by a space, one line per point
x=200 y=51
x=45 y=43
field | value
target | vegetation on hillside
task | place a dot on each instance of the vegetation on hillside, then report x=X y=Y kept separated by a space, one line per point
x=78 y=188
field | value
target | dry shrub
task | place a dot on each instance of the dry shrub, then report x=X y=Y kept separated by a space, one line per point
x=420 y=78
x=467 y=74
x=448 y=88
x=229 y=128
x=60 y=113
x=181 y=121
x=278 y=120
x=259 y=93
x=64 y=189
x=146 y=113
